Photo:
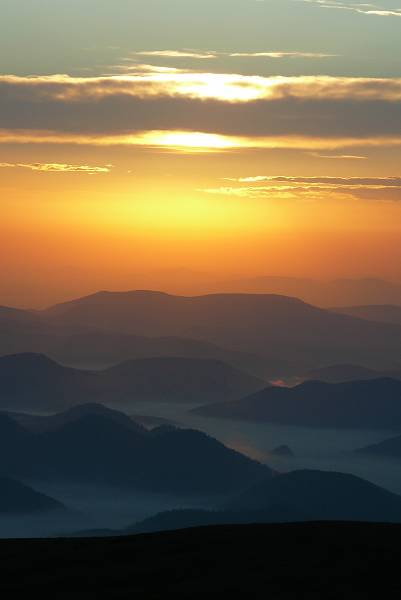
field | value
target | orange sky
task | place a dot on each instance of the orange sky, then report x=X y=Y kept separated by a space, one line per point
x=67 y=234
x=177 y=166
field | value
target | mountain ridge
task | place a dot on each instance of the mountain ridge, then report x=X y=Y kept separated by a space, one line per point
x=35 y=382
x=367 y=404
x=101 y=449
x=262 y=324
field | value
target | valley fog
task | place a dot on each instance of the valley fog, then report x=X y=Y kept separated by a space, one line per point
x=105 y=507
x=313 y=448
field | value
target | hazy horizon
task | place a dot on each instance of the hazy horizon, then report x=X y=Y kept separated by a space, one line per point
x=185 y=283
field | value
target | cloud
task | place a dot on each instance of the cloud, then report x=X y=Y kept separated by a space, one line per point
x=197 y=54
x=326 y=180
x=311 y=188
x=57 y=168
x=360 y=8
x=174 y=108
x=192 y=141
x=280 y=55
x=214 y=54
x=338 y=156
x=223 y=87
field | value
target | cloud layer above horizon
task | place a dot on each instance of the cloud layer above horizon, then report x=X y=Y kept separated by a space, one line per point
x=312 y=188
x=169 y=107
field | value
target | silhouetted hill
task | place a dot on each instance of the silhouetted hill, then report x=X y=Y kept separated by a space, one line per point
x=184 y=519
x=337 y=292
x=34 y=382
x=305 y=561
x=43 y=423
x=83 y=347
x=99 y=448
x=177 y=379
x=324 y=496
x=16 y=443
x=390 y=448
x=14 y=320
x=17 y=498
x=97 y=349
x=344 y=373
x=23 y=331
x=381 y=313
x=189 y=460
x=286 y=328
x=374 y=404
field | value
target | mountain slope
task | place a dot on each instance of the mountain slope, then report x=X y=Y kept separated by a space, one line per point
x=381 y=313
x=14 y=319
x=177 y=379
x=184 y=519
x=34 y=382
x=324 y=496
x=258 y=324
x=17 y=498
x=337 y=292
x=22 y=331
x=98 y=349
x=44 y=423
x=89 y=348
x=101 y=448
x=344 y=373
x=372 y=404
x=390 y=448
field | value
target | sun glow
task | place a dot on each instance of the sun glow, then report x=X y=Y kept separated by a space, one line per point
x=192 y=140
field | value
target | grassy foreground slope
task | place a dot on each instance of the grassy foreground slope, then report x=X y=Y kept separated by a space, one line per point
x=324 y=561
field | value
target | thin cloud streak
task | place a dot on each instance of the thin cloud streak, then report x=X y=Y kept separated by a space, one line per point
x=311 y=188
x=326 y=180
x=196 y=54
x=338 y=156
x=216 y=54
x=281 y=55
x=361 y=8
x=192 y=141
x=57 y=168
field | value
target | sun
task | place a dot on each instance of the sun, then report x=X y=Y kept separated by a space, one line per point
x=191 y=140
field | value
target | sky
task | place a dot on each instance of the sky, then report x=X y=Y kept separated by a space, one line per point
x=154 y=141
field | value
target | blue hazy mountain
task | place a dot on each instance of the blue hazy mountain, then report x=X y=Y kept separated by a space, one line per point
x=284 y=498
x=389 y=448
x=41 y=423
x=374 y=404
x=323 y=495
x=342 y=373
x=97 y=448
x=18 y=498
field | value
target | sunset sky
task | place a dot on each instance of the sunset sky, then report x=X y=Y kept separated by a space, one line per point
x=148 y=141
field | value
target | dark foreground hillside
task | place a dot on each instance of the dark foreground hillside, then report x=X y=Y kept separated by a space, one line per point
x=325 y=561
